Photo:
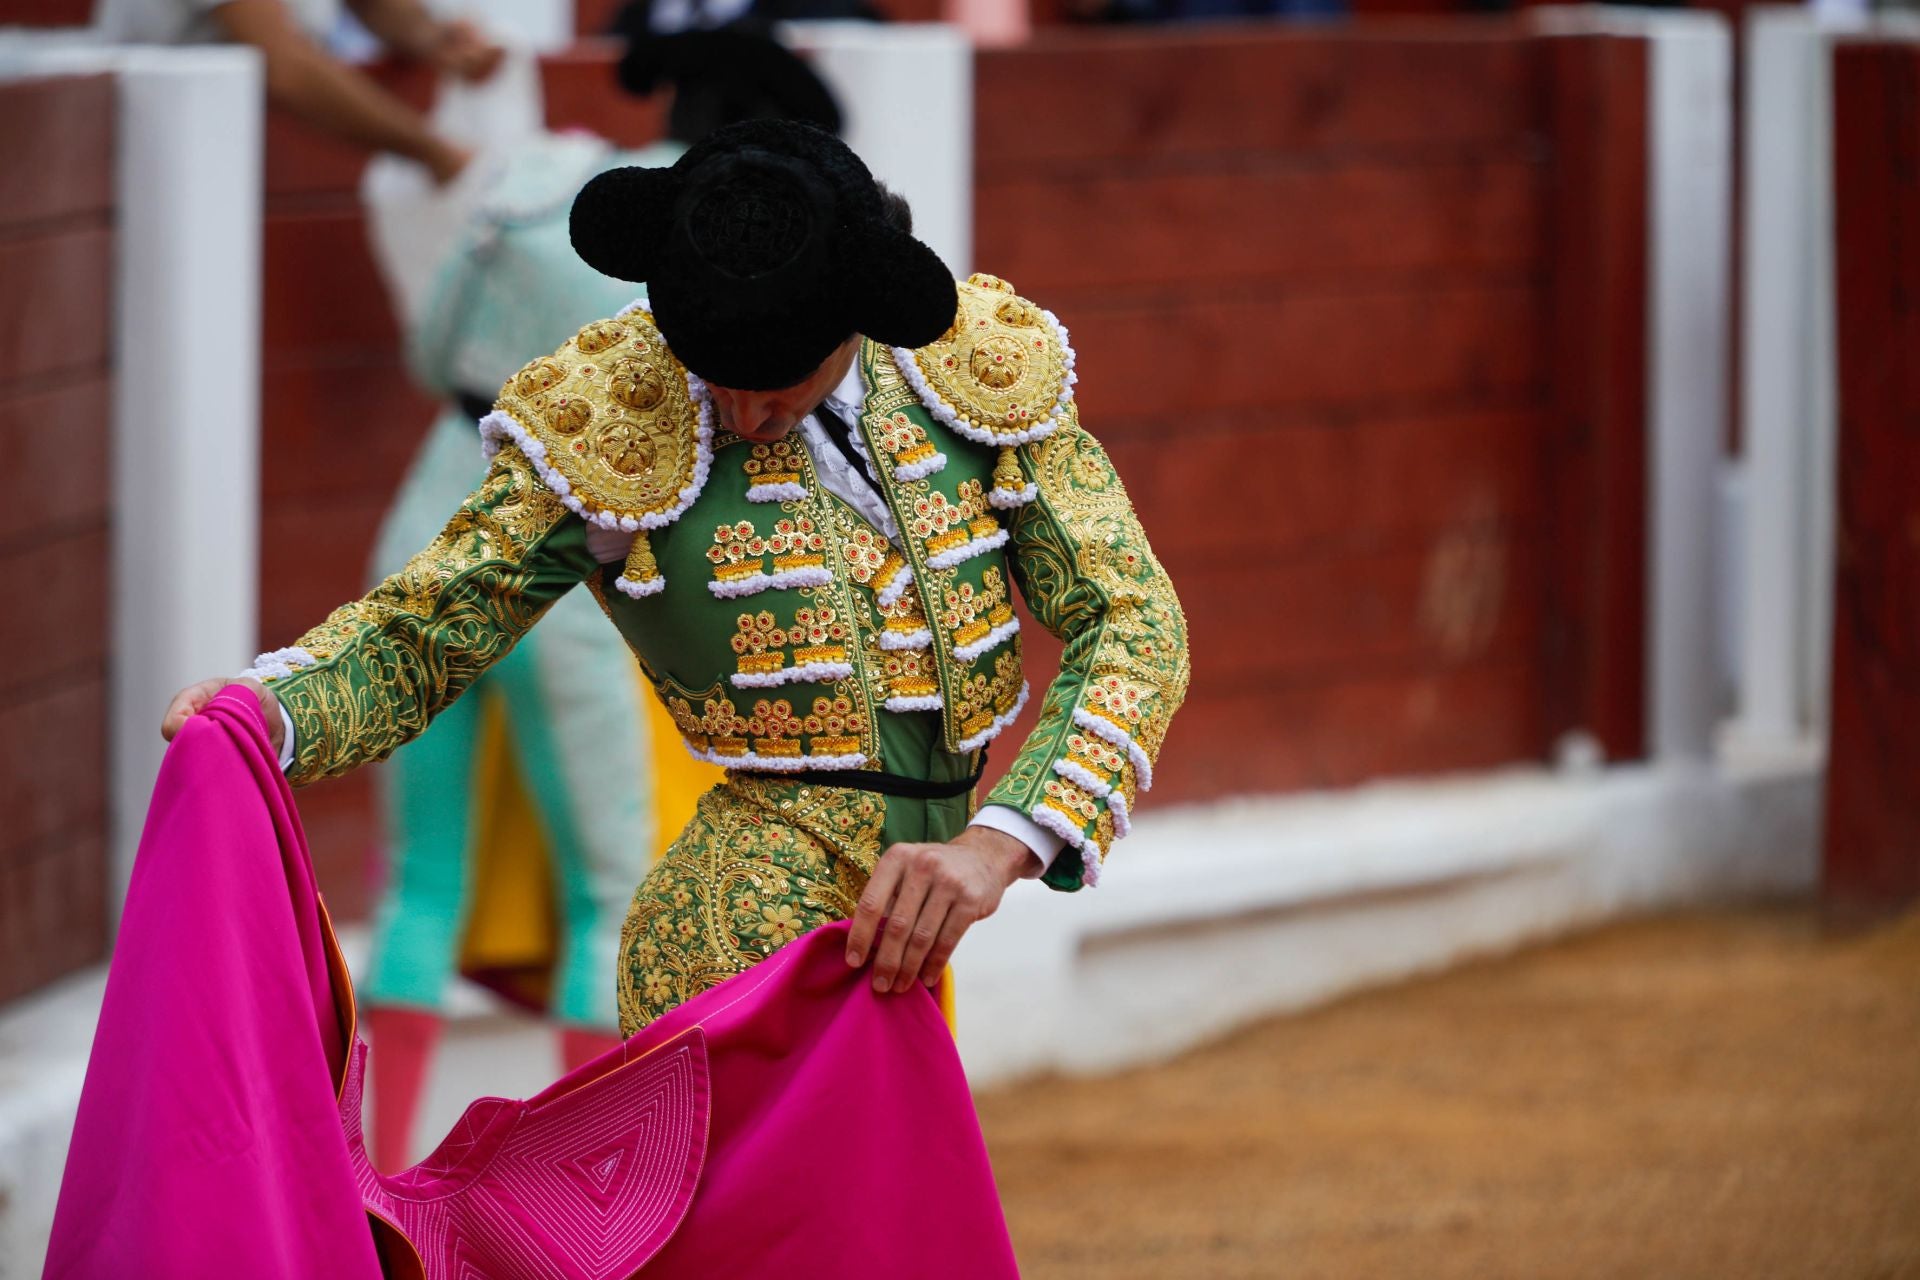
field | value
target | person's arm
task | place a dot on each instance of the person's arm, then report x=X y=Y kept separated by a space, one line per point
x=1087 y=573
x=373 y=675
x=308 y=82
x=1085 y=570
x=404 y=26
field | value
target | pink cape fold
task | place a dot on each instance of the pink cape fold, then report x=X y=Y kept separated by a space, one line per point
x=208 y=1139
x=789 y=1120
x=844 y=1140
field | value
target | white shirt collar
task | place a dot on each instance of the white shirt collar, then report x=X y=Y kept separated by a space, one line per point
x=851 y=393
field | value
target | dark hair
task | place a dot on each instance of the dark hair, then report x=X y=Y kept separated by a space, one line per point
x=894 y=209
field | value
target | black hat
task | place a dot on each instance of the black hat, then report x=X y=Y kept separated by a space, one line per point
x=722 y=73
x=764 y=248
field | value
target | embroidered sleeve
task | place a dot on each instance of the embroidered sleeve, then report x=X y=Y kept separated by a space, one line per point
x=373 y=675
x=1087 y=573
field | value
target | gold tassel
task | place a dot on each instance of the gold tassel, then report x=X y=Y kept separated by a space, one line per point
x=1009 y=484
x=642 y=570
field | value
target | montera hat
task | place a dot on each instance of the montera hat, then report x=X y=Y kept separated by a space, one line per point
x=763 y=248
x=722 y=74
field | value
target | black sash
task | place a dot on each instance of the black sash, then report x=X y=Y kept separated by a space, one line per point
x=887 y=784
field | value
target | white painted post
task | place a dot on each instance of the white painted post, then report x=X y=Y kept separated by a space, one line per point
x=1689 y=201
x=1690 y=164
x=186 y=461
x=907 y=92
x=1788 y=404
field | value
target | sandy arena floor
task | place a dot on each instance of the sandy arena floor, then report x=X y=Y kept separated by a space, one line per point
x=1731 y=1095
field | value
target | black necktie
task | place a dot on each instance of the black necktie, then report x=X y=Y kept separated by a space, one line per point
x=838 y=431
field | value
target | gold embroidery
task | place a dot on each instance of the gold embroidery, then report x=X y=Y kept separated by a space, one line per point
x=763 y=861
x=982 y=697
x=737 y=551
x=905 y=440
x=1097 y=756
x=739 y=555
x=616 y=419
x=1090 y=577
x=387 y=663
x=1001 y=367
x=773 y=466
x=760 y=641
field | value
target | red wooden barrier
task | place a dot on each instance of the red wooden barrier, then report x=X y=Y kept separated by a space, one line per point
x=1873 y=767
x=56 y=324
x=1359 y=314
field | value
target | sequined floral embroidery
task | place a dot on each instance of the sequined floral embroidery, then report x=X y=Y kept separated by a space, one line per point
x=775 y=472
x=739 y=555
x=817 y=642
x=914 y=455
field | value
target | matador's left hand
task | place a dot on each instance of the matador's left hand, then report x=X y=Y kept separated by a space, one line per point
x=929 y=895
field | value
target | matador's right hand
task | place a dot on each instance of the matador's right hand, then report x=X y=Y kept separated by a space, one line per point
x=193 y=699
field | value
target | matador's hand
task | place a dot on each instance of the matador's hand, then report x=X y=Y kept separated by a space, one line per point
x=929 y=895
x=193 y=699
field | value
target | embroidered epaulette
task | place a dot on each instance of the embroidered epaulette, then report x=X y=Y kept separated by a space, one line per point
x=617 y=427
x=1001 y=375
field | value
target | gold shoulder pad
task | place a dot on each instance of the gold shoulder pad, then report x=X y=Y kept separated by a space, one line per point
x=616 y=426
x=1002 y=374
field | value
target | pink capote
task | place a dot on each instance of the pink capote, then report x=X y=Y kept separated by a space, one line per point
x=789 y=1120
x=208 y=1141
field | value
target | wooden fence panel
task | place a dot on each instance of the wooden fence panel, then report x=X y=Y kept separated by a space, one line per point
x=1872 y=851
x=56 y=327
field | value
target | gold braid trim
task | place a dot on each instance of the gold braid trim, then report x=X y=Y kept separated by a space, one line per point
x=617 y=427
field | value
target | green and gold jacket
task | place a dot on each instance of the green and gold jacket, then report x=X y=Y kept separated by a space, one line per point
x=777 y=624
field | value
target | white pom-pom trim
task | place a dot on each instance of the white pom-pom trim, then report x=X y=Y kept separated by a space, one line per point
x=1116 y=798
x=1082 y=777
x=785 y=491
x=1058 y=823
x=753 y=584
x=638 y=304
x=1101 y=727
x=999 y=724
x=500 y=426
x=640 y=589
x=968 y=550
x=777 y=764
x=1007 y=500
x=992 y=640
x=278 y=663
x=909 y=365
x=821 y=671
x=914 y=702
x=896 y=588
x=922 y=469
x=921 y=639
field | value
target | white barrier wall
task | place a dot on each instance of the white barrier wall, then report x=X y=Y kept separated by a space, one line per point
x=186 y=386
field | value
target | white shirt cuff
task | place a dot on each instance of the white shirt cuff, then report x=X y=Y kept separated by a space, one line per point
x=286 y=736
x=1046 y=846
